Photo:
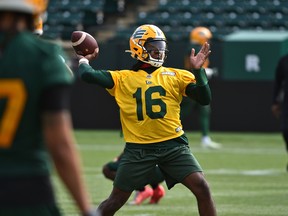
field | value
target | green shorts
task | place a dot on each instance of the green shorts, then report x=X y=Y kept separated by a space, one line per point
x=138 y=163
x=155 y=179
x=113 y=165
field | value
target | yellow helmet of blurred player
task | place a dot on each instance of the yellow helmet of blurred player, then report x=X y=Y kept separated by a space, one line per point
x=200 y=35
x=26 y=6
x=145 y=40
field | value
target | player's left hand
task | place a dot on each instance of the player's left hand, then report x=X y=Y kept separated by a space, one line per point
x=196 y=61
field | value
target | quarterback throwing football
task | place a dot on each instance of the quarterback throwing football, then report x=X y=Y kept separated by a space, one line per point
x=149 y=97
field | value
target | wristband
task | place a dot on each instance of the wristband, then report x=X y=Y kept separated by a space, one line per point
x=83 y=60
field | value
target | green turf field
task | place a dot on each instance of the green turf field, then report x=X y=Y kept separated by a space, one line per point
x=247 y=176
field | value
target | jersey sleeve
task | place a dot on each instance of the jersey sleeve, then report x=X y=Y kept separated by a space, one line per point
x=54 y=69
x=186 y=78
x=199 y=91
x=115 y=77
x=55 y=98
x=100 y=77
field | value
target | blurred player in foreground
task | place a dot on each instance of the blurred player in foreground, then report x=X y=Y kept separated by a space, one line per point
x=149 y=97
x=198 y=37
x=155 y=192
x=280 y=97
x=38 y=30
x=35 y=122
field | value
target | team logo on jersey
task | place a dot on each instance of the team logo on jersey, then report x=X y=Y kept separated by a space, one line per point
x=168 y=73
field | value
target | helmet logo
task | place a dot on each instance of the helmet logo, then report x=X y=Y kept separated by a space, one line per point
x=159 y=33
x=138 y=33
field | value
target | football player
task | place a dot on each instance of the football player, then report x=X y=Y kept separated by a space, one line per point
x=38 y=30
x=149 y=97
x=198 y=37
x=35 y=121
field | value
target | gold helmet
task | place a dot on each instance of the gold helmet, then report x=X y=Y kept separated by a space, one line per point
x=145 y=42
x=33 y=7
x=200 y=35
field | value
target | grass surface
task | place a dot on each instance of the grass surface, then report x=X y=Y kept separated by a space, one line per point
x=247 y=176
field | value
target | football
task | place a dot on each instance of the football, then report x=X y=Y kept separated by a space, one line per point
x=84 y=43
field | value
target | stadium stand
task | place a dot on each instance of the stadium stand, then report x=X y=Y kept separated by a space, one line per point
x=175 y=17
x=178 y=17
x=65 y=16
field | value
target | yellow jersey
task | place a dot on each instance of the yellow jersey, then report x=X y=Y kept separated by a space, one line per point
x=150 y=103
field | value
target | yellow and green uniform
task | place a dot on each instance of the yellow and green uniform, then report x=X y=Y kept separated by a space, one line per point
x=149 y=101
x=33 y=79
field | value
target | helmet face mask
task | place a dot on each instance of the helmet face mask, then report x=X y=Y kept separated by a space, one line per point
x=157 y=52
x=148 y=44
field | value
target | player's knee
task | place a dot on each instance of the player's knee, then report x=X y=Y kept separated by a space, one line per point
x=205 y=187
x=198 y=185
x=202 y=189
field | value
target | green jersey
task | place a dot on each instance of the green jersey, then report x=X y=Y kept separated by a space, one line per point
x=28 y=66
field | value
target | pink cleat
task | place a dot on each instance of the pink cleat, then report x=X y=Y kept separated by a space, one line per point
x=141 y=196
x=158 y=193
